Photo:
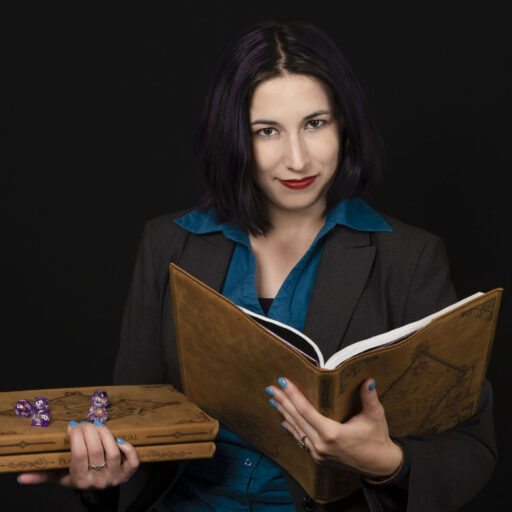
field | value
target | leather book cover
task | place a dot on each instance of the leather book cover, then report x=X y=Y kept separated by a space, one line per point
x=427 y=382
x=157 y=419
x=149 y=453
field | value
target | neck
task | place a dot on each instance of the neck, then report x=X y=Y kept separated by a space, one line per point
x=297 y=221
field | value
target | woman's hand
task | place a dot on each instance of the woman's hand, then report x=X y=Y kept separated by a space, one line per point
x=361 y=444
x=96 y=461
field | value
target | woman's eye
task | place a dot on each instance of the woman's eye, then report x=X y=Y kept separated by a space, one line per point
x=264 y=132
x=321 y=122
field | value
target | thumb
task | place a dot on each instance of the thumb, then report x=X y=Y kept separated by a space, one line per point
x=35 y=477
x=369 y=398
x=39 y=477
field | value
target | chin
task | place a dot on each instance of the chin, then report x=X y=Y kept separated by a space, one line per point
x=296 y=206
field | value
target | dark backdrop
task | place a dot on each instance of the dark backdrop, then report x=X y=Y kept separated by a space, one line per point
x=99 y=117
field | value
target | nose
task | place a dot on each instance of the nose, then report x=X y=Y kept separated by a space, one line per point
x=296 y=155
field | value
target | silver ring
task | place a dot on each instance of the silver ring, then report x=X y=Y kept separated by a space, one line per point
x=301 y=443
x=99 y=466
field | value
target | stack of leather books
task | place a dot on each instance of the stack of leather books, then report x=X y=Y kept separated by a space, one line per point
x=158 y=420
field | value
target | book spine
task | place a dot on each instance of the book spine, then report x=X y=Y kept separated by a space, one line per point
x=59 y=460
x=17 y=444
x=326 y=394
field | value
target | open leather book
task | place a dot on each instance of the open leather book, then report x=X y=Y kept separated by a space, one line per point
x=430 y=373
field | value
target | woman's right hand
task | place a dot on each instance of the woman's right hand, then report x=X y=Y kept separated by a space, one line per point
x=92 y=446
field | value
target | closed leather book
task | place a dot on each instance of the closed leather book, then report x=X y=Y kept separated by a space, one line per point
x=429 y=381
x=157 y=419
x=150 y=453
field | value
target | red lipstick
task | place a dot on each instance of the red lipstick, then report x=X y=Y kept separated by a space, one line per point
x=298 y=184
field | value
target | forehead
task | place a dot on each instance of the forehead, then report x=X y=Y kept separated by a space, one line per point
x=291 y=94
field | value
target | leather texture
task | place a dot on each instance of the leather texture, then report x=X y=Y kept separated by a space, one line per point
x=426 y=385
x=158 y=420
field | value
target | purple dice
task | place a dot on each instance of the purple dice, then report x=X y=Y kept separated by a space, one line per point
x=39 y=411
x=98 y=413
x=100 y=398
x=41 y=418
x=41 y=403
x=23 y=409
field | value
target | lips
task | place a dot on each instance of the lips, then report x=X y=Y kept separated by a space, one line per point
x=298 y=184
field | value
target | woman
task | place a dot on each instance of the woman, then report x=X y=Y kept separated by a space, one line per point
x=287 y=148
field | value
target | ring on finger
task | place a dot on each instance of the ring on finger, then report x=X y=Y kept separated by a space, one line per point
x=301 y=442
x=97 y=466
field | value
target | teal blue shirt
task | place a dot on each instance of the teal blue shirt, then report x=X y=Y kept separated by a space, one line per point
x=238 y=477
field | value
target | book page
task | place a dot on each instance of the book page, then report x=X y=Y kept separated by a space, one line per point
x=292 y=337
x=389 y=337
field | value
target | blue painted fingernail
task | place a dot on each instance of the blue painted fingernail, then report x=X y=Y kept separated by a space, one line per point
x=120 y=441
x=282 y=382
x=83 y=421
x=272 y=403
x=284 y=426
x=269 y=391
x=372 y=385
x=98 y=423
x=73 y=423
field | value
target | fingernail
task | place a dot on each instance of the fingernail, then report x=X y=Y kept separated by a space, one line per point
x=284 y=426
x=120 y=441
x=98 y=423
x=272 y=403
x=83 y=421
x=269 y=391
x=372 y=385
x=282 y=382
x=73 y=423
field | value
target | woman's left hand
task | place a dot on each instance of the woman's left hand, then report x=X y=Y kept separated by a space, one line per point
x=361 y=444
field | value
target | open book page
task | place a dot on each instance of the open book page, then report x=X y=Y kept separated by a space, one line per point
x=390 y=336
x=291 y=336
x=309 y=349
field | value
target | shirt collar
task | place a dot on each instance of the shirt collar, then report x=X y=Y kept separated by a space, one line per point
x=353 y=213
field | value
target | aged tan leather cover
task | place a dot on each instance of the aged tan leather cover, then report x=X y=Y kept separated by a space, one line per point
x=157 y=419
x=428 y=382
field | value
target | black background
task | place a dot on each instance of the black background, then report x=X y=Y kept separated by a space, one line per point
x=99 y=116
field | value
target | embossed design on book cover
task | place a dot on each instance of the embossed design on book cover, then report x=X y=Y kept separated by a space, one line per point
x=485 y=309
x=426 y=392
x=73 y=405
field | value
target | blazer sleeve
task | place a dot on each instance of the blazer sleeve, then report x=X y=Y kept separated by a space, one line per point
x=446 y=469
x=138 y=359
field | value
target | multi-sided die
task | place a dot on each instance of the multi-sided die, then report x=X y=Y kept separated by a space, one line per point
x=98 y=413
x=100 y=398
x=40 y=418
x=23 y=409
x=41 y=403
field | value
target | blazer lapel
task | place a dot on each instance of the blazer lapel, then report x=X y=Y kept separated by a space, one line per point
x=345 y=264
x=207 y=258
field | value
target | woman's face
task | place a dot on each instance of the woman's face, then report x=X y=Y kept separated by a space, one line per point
x=295 y=139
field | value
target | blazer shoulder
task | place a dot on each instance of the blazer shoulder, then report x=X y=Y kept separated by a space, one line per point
x=406 y=235
x=166 y=238
x=165 y=223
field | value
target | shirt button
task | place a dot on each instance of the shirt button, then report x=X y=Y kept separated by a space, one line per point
x=308 y=504
x=248 y=462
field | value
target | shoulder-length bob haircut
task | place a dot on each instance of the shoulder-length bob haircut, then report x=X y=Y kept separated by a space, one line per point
x=263 y=51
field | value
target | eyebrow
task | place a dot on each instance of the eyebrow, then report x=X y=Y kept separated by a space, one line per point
x=309 y=116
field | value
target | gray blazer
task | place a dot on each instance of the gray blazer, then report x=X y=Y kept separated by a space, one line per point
x=367 y=283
